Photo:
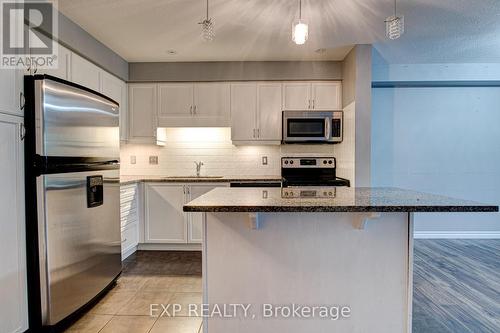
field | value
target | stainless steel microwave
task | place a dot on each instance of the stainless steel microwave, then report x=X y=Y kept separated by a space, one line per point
x=312 y=126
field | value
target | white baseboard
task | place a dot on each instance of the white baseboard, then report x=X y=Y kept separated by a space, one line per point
x=457 y=234
x=169 y=247
x=127 y=253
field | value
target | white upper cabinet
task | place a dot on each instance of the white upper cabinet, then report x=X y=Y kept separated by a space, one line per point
x=142 y=112
x=243 y=111
x=193 y=104
x=11 y=88
x=116 y=89
x=326 y=95
x=175 y=100
x=296 y=96
x=269 y=111
x=63 y=64
x=85 y=73
x=212 y=103
x=256 y=112
x=13 y=279
x=312 y=95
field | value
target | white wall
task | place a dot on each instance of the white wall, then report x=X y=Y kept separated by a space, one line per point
x=444 y=141
x=212 y=146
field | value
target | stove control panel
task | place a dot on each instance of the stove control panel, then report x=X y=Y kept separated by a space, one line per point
x=304 y=193
x=315 y=163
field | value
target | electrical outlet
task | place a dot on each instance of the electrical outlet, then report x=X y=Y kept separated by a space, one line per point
x=153 y=160
x=264 y=160
x=133 y=159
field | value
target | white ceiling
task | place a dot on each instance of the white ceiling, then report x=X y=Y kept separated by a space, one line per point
x=437 y=30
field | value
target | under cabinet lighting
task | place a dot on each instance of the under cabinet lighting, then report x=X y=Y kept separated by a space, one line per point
x=161 y=136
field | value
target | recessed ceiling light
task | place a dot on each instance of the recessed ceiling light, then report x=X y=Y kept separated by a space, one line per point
x=171 y=52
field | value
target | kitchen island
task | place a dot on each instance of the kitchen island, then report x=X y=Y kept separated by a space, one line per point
x=312 y=260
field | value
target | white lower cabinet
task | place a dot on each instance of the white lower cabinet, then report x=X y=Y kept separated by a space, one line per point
x=129 y=215
x=13 y=283
x=165 y=221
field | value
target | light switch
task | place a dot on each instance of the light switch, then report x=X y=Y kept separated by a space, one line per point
x=133 y=159
x=264 y=160
x=153 y=160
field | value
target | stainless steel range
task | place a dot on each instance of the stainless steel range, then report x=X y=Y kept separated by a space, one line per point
x=310 y=171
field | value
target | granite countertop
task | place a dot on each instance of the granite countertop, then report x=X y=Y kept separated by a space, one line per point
x=346 y=200
x=124 y=180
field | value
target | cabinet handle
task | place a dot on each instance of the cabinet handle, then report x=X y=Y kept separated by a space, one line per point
x=314 y=103
x=184 y=189
x=191 y=110
x=258 y=132
x=309 y=106
x=194 y=109
x=22 y=100
x=22 y=132
x=254 y=133
x=124 y=240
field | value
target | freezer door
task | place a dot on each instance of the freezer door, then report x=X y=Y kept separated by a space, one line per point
x=75 y=122
x=80 y=242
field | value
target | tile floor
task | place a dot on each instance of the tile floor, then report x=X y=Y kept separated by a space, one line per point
x=148 y=277
x=456 y=289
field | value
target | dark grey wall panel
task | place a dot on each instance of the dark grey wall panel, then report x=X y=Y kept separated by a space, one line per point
x=234 y=71
x=80 y=41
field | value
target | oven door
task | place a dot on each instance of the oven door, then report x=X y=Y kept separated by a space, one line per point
x=306 y=127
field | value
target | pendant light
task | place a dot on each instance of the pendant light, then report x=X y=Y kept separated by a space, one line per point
x=300 y=29
x=207 y=28
x=394 y=25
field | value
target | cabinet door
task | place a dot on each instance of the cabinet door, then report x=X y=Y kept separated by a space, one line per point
x=63 y=64
x=165 y=220
x=296 y=96
x=269 y=111
x=142 y=112
x=212 y=101
x=13 y=284
x=84 y=72
x=243 y=111
x=116 y=89
x=195 y=220
x=11 y=87
x=175 y=100
x=327 y=96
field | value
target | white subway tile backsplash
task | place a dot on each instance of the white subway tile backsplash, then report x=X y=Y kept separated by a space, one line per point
x=215 y=149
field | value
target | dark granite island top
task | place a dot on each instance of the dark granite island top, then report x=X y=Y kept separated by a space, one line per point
x=345 y=200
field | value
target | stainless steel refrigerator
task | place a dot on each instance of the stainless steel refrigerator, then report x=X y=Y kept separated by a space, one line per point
x=72 y=198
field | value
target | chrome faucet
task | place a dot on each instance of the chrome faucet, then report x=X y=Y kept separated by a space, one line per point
x=198 y=167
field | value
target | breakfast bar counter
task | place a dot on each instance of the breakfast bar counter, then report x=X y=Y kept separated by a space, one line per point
x=285 y=254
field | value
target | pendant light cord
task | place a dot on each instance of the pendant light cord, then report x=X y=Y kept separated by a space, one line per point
x=395 y=10
x=300 y=9
x=207 y=9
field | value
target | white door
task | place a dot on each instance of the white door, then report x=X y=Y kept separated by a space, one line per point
x=243 y=111
x=212 y=101
x=116 y=89
x=269 y=111
x=11 y=87
x=84 y=72
x=165 y=220
x=327 y=96
x=63 y=64
x=297 y=96
x=142 y=108
x=13 y=284
x=175 y=100
x=195 y=220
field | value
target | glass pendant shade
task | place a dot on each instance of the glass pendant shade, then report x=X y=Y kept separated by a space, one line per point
x=207 y=30
x=300 y=32
x=394 y=26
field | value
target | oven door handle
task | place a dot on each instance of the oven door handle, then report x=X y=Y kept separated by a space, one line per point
x=327 y=128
